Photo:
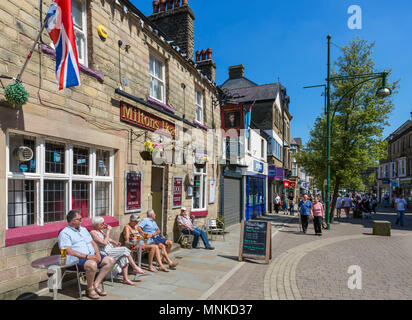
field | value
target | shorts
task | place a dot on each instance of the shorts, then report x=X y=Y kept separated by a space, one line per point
x=82 y=261
x=159 y=240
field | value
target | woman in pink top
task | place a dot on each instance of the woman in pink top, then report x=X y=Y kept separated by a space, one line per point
x=317 y=214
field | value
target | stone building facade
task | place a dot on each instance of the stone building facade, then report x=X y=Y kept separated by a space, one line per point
x=394 y=174
x=87 y=141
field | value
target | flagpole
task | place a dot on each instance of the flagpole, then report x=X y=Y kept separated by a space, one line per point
x=18 y=79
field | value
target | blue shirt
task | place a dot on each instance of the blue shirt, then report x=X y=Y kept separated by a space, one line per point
x=149 y=226
x=79 y=240
x=304 y=207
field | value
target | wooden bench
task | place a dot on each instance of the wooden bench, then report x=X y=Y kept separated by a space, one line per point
x=382 y=228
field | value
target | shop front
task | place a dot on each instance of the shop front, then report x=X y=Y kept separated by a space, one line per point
x=256 y=187
x=275 y=183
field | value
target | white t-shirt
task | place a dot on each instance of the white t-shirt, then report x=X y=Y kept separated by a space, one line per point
x=346 y=202
x=277 y=200
x=339 y=202
x=400 y=204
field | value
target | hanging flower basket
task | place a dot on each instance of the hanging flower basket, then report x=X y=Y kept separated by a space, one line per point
x=16 y=94
x=146 y=155
x=201 y=161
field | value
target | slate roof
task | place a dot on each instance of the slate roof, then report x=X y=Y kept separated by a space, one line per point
x=258 y=93
x=237 y=83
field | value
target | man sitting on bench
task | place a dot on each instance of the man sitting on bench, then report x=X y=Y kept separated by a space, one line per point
x=186 y=226
x=79 y=243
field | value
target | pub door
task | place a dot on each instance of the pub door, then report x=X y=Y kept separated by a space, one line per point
x=157 y=195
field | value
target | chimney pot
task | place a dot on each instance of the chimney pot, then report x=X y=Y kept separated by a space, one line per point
x=177 y=3
x=203 y=52
x=209 y=54
x=185 y=3
x=198 y=53
x=162 y=5
x=155 y=6
x=169 y=4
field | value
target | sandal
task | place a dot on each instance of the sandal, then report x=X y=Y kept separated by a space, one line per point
x=153 y=270
x=100 y=292
x=92 y=296
x=141 y=271
x=164 y=269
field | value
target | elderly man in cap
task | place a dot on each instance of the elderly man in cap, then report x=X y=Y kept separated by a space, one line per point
x=187 y=227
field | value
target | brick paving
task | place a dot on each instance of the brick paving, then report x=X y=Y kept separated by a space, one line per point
x=310 y=267
x=303 y=267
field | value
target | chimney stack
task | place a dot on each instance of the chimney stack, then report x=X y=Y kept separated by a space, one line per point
x=156 y=6
x=162 y=6
x=177 y=23
x=236 y=72
x=206 y=64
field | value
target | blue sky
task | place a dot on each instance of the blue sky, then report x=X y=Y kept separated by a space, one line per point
x=287 y=39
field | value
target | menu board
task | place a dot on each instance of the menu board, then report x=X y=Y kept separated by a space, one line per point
x=133 y=191
x=255 y=241
x=177 y=197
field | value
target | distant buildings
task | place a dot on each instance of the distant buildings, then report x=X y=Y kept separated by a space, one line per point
x=394 y=173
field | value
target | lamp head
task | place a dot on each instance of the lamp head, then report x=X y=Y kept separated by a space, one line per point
x=383 y=92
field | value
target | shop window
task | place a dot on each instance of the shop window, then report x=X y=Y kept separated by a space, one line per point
x=21 y=209
x=54 y=208
x=16 y=158
x=57 y=176
x=80 y=197
x=102 y=163
x=80 y=161
x=80 y=29
x=157 y=79
x=199 y=188
x=55 y=159
x=102 y=199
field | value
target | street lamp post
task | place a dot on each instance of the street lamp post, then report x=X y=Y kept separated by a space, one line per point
x=383 y=92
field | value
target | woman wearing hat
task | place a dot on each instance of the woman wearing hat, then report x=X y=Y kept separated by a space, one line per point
x=129 y=232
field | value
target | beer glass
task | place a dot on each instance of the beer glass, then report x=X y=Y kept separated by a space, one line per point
x=146 y=236
x=63 y=254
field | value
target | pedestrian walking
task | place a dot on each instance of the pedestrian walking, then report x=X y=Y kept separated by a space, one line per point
x=285 y=205
x=277 y=203
x=400 y=206
x=374 y=203
x=304 y=212
x=338 y=205
x=291 y=204
x=317 y=213
x=347 y=203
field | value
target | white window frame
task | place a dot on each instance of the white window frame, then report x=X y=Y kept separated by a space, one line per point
x=152 y=76
x=203 y=187
x=83 y=33
x=199 y=106
x=40 y=175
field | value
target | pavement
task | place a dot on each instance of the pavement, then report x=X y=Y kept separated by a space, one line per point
x=303 y=267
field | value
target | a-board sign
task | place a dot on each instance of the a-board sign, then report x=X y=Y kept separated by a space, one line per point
x=255 y=240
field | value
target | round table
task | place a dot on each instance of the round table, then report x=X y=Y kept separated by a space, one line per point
x=54 y=264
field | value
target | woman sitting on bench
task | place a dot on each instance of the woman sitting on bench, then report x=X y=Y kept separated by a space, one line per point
x=109 y=247
x=128 y=238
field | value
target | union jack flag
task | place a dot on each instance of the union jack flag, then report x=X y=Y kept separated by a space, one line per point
x=59 y=25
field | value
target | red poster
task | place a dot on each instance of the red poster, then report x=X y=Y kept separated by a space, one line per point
x=293 y=184
x=177 y=192
x=286 y=184
x=133 y=190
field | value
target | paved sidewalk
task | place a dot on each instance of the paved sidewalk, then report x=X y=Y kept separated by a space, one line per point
x=311 y=267
x=198 y=274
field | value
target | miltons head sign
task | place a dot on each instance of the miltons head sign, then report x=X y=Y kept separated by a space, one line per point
x=145 y=120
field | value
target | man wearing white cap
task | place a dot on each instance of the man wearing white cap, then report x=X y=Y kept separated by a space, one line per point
x=186 y=226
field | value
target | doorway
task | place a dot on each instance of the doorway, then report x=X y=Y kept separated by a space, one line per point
x=157 y=195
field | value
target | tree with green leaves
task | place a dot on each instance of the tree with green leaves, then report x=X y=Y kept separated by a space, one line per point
x=358 y=124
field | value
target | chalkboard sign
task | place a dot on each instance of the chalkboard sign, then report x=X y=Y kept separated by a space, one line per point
x=255 y=241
